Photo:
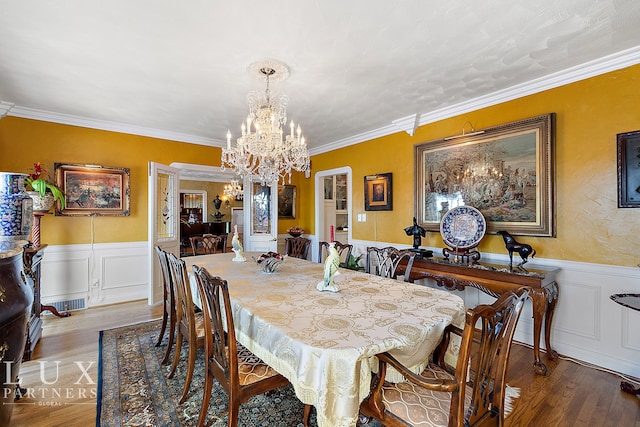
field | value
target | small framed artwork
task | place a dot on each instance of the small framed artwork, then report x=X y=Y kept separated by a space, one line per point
x=377 y=192
x=92 y=190
x=286 y=201
x=629 y=169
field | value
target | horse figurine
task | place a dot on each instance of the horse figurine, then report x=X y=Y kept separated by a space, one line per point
x=513 y=245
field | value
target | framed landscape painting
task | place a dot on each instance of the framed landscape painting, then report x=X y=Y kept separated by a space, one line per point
x=93 y=190
x=506 y=172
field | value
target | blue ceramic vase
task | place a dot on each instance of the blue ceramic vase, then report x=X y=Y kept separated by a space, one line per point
x=16 y=208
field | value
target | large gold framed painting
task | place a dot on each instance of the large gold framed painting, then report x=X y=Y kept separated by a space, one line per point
x=506 y=172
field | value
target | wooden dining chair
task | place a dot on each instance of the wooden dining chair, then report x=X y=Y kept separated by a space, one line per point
x=169 y=306
x=240 y=373
x=208 y=244
x=297 y=247
x=189 y=325
x=385 y=261
x=344 y=250
x=472 y=394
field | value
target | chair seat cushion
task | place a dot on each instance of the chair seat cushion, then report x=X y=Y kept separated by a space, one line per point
x=418 y=406
x=251 y=368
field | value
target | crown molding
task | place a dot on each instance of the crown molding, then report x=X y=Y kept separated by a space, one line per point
x=5 y=107
x=409 y=124
x=68 y=119
x=584 y=71
x=617 y=61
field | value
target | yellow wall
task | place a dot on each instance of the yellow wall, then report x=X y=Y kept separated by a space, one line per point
x=589 y=114
x=24 y=142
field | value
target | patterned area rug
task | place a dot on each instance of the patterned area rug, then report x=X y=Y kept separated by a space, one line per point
x=133 y=389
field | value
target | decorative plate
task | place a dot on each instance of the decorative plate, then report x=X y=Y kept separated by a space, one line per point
x=463 y=227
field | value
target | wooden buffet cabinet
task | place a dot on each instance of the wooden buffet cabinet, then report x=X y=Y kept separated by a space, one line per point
x=494 y=279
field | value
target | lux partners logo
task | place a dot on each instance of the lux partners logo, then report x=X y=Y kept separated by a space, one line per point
x=52 y=391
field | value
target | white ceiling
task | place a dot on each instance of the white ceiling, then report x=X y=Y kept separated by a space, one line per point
x=358 y=68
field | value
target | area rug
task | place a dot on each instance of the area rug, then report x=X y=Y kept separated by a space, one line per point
x=133 y=389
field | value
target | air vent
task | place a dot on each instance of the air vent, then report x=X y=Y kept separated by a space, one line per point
x=68 y=305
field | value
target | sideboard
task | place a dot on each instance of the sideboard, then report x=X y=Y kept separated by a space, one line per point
x=494 y=279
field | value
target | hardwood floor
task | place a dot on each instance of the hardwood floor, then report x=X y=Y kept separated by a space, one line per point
x=570 y=394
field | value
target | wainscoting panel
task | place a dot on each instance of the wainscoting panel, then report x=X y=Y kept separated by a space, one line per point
x=101 y=273
x=587 y=325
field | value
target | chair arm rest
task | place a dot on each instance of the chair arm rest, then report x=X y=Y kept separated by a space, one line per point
x=431 y=384
x=441 y=350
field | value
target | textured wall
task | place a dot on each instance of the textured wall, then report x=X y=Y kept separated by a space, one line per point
x=589 y=115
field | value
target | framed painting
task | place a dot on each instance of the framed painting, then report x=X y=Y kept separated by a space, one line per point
x=629 y=169
x=378 y=192
x=93 y=190
x=286 y=201
x=506 y=172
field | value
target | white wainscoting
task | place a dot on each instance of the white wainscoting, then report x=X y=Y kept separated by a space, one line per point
x=105 y=273
x=587 y=324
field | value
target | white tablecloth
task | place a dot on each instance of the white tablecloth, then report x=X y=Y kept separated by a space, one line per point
x=324 y=342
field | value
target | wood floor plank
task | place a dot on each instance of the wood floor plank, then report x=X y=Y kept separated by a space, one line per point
x=570 y=394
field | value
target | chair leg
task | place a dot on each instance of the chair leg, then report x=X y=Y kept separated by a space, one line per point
x=172 y=333
x=233 y=413
x=190 y=368
x=206 y=397
x=162 y=328
x=307 y=413
x=176 y=356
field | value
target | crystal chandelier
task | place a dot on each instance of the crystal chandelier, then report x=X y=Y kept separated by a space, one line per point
x=234 y=189
x=265 y=149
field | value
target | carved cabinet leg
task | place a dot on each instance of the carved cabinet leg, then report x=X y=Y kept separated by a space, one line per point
x=551 y=292
x=539 y=301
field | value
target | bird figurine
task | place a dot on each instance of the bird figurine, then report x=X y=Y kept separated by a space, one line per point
x=330 y=270
x=236 y=245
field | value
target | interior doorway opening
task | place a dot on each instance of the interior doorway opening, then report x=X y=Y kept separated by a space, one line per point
x=333 y=201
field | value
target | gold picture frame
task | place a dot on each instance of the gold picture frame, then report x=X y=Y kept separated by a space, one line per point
x=506 y=172
x=93 y=190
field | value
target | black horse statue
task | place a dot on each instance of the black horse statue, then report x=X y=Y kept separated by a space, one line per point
x=513 y=245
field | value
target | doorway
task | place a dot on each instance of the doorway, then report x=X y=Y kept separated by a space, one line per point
x=333 y=201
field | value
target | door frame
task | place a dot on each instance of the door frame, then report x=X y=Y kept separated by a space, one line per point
x=319 y=199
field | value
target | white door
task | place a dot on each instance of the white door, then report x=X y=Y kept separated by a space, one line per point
x=260 y=217
x=164 y=221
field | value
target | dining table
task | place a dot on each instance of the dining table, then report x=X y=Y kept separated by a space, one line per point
x=325 y=343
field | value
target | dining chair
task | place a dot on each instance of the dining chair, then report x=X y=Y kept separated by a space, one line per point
x=385 y=261
x=169 y=306
x=297 y=247
x=240 y=373
x=471 y=395
x=189 y=325
x=344 y=250
x=208 y=244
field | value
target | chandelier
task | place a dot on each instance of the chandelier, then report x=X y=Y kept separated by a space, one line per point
x=234 y=189
x=265 y=149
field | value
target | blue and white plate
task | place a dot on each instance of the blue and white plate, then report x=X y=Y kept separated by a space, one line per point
x=463 y=227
